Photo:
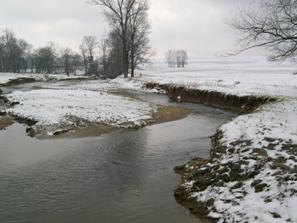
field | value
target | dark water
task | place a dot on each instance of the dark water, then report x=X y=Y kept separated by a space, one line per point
x=122 y=177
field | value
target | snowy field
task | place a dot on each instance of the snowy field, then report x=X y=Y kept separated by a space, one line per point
x=239 y=76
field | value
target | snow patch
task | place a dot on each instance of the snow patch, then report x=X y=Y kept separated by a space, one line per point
x=52 y=107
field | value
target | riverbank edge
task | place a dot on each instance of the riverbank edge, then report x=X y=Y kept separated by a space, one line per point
x=201 y=168
x=163 y=114
x=229 y=102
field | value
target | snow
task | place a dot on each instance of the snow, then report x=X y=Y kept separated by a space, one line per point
x=276 y=122
x=6 y=77
x=272 y=129
x=52 y=107
x=238 y=76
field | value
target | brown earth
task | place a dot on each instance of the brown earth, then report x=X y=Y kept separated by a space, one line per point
x=168 y=114
x=5 y=122
x=82 y=129
x=22 y=80
x=242 y=104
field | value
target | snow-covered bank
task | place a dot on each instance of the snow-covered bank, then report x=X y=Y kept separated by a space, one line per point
x=68 y=107
x=252 y=173
x=251 y=176
x=9 y=77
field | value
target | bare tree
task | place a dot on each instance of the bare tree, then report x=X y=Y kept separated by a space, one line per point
x=67 y=59
x=45 y=59
x=104 y=48
x=88 y=46
x=170 y=58
x=128 y=19
x=17 y=55
x=84 y=58
x=138 y=30
x=118 y=13
x=25 y=55
x=177 y=58
x=182 y=58
x=115 y=59
x=271 y=24
x=14 y=53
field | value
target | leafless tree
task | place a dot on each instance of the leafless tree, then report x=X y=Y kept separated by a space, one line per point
x=45 y=59
x=67 y=61
x=105 y=51
x=138 y=30
x=118 y=13
x=25 y=55
x=128 y=19
x=170 y=58
x=177 y=58
x=271 y=24
x=181 y=58
x=115 y=59
x=17 y=55
x=88 y=46
x=14 y=53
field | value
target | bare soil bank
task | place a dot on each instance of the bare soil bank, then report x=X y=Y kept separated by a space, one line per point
x=5 y=122
x=18 y=81
x=243 y=104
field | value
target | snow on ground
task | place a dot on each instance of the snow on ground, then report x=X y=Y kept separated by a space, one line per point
x=255 y=171
x=239 y=76
x=6 y=77
x=276 y=120
x=258 y=161
x=260 y=168
x=53 y=107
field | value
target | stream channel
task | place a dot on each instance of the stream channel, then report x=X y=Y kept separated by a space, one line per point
x=125 y=176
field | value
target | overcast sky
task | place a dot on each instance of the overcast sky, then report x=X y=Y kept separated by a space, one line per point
x=198 y=26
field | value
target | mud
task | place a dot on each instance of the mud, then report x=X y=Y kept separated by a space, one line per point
x=5 y=122
x=18 y=81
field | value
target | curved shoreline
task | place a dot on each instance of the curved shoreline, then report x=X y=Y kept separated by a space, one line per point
x=241 y=166
x=162 y=115
x=214 y=190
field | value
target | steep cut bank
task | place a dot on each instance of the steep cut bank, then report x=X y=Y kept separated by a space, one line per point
x=251 y=174
x=242 y=104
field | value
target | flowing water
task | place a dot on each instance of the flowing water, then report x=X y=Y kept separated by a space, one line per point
x=122 y=177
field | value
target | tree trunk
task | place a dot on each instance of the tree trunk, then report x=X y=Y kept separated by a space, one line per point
x=125 y=61
x=125 y=54
x=132 y=60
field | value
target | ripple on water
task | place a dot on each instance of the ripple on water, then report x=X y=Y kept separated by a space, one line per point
x=125 y=176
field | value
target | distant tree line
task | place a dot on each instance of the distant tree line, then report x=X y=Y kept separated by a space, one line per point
x=120 y=52
x=18 y=56
x=177 y=58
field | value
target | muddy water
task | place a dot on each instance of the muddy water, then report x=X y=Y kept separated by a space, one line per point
x=121 y=177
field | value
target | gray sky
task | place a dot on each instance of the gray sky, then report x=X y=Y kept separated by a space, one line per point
x=198 y=26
